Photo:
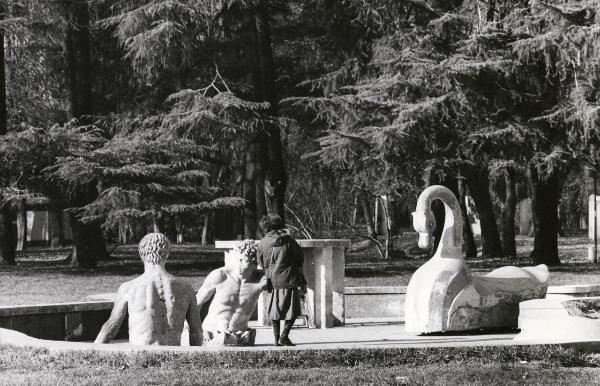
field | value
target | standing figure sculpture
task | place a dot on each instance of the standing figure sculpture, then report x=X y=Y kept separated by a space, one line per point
x=281 y=257
x=443 y=296
x=234 y=291
x=157 y=302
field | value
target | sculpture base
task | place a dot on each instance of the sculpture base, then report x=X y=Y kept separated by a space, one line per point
x=558 y=320
x=238 y=338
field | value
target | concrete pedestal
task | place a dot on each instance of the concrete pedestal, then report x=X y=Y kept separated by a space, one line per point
x=559 y=320
x=324 y=262
x=592 y=254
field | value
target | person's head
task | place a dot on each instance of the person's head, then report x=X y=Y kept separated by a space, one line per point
x=154 y=248
x=271 y=222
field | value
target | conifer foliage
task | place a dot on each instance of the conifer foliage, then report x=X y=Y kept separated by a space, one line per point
x=150 y=112
x=477 y=86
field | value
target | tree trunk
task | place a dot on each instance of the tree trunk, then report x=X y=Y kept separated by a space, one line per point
x=179 y=229
x=478 y=183
x=123 y=234
x=354 y=210
x=139 y=230
x=3 y=111
x=250 y=218
x=545 y=194
x=88 y=241
x=7 y=248
x=275 y=173
x=260 y=147
x=470 y=247
x=508 y=215
x=21 y=227
x=57 y=235
x=388 y=225
x=78 y=60
x=491 y=11
x=366 y=204
x=71 y=67
x=88 y=244
x=205 y=229
x=156 y=228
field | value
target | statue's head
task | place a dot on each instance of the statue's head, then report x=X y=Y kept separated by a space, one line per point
x=154 y=248
x=247 y=250
x=424 y=224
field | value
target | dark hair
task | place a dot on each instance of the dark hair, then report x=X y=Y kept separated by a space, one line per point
x=271 y=222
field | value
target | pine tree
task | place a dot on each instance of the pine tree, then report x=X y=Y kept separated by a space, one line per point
x=7 y=251
x=473 y=93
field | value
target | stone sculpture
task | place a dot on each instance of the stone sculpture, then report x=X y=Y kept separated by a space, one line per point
x=443 y=296
x=234 y=291
x=157 y=302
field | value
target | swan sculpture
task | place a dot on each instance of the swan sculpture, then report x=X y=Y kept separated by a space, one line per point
x=443 y=296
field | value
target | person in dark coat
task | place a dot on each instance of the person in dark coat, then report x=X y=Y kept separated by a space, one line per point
x=280 y=255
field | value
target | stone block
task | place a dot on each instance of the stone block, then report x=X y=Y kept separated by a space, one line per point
x=559 y=321
x=374 y=302
x=573 y=291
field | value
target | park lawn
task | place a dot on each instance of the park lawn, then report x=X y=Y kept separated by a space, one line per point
x=489 y=374
x=42 y=275
x=468 y=365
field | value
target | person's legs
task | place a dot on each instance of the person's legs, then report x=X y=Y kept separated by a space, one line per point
x=285 y=340
x=276 y=330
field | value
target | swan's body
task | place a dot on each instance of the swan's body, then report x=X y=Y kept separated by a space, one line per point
x=443 y=296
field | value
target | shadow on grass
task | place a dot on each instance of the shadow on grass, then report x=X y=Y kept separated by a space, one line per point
x=189 y=259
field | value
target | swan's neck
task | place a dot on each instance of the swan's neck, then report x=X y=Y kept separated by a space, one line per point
x=450 y=245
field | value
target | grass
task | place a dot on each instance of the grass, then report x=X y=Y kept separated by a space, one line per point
x=43 y=276
x=475 y=365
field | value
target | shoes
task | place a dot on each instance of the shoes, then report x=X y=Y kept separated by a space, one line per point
x=285 y=341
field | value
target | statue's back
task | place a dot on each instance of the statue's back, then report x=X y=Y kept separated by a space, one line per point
x=157 y=306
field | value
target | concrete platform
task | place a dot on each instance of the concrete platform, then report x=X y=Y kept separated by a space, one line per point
x=573 y=291
x=358 y=333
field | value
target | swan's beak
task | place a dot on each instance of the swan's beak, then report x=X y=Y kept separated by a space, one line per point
x=424 y=240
